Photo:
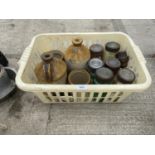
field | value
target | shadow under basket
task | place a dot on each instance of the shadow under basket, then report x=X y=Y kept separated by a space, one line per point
x=112 y=93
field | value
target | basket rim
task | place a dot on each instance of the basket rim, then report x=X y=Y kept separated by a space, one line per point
x=64 y=87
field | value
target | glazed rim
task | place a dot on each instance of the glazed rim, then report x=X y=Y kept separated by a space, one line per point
x=47 y=56
x=77 y=41
x=79 y=77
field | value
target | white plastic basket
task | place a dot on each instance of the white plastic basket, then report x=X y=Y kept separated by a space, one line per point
x=48 y=93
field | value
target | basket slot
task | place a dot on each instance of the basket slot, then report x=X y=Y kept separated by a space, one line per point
x=99 y=97
x=116 y=96
x=108 y=97
x=91 y=96
x=125 y=94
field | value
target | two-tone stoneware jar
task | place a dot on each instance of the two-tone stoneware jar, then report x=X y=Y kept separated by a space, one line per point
x=77 y=55
x=52 y=69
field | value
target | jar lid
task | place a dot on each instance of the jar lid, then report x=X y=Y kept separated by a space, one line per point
x=113 y=63
x=104 y=75
x=122 y=56
x=126 y=76
x=112 y=47
x=96 y=48
x=95 y=63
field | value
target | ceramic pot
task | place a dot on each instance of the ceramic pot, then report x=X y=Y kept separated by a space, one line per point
x=126 y=76
x=97 y=51
x=79 y=77
x=111 y=48
x=103 y=75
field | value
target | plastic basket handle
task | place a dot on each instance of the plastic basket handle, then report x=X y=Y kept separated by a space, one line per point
x=140 y=54
x=24 y=56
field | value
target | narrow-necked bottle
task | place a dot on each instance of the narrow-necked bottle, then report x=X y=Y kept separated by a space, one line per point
x=52 y=69
x=77 y=55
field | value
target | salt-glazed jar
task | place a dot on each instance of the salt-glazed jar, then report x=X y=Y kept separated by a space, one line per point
x=93 y=65
x=97 y=51
x=77 y=55
x=126 y=76
x=123 y=58
x=113 y=64
x=52 y=69
x=104 y=75
x=111 y=48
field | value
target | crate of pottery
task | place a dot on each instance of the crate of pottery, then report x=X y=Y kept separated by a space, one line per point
x=51 y=68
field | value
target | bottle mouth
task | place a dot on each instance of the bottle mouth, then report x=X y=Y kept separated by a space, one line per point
x=77 y=41
x=47 y=56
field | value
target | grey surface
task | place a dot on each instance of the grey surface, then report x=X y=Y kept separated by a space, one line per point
x=25 y=114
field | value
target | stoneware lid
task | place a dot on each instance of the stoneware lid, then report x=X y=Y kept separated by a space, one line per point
x=7 y=82
x=113 y=63
x=126 y=76
x=112 y=47
x=95 y=63
x=96 y=48
x=104 y=75
x=122 y=56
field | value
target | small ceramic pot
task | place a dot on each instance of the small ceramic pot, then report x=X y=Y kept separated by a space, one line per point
x=97 y=51
x=111 y=48
x=79 y=77
x=103 y=76
x=123 y=58
x=126 y=76
x=113 y=64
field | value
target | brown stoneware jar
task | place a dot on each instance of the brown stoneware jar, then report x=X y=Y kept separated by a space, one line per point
x=79 y=76
x=96 y=51
x=113 y=64
x=126 y=76
x=52 y=69
x=123 y=58
x=77 y=55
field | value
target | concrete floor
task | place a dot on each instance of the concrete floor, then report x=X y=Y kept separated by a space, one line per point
x=25 y=114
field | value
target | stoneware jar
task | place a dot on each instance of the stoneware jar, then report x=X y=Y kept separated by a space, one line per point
x=97 y=51
x=126 y=76
x=77 y=55
x=52 y=69
x=113 y=64
x=123 y=58
x=103 y=76
x=79 y=76
x=111 y=48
